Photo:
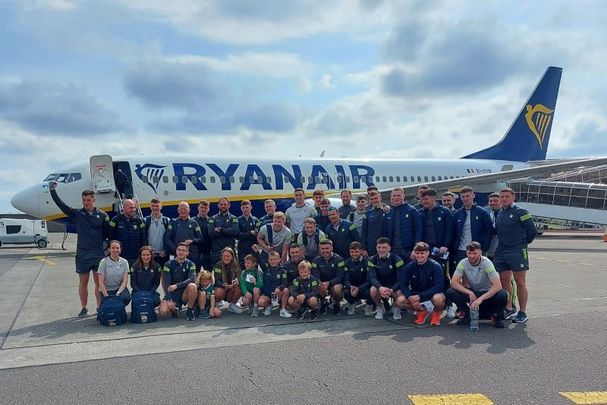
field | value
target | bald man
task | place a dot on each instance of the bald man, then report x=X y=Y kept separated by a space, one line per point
x=129 y=230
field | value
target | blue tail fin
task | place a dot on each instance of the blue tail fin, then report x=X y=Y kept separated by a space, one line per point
x=528 y=136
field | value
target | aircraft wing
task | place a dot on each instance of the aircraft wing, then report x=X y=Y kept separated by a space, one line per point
x=491 y=178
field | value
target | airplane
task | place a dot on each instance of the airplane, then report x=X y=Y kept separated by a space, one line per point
x=192 y=177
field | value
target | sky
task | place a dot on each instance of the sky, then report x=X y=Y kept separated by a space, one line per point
x=365 y=79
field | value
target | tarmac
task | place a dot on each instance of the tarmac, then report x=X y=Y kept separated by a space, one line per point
x=43 y=343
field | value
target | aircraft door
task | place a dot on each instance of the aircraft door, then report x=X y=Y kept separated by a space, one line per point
x=102 y=174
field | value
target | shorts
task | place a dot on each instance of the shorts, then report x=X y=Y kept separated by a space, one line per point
x=364 y=294
x=515 y=260
x=86 y=268
x=269 y=289
x=175 y=296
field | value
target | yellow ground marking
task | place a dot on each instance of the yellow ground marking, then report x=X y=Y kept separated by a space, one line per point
x=43 y=259
x=585 y=264
x=450 y=399
x=595 y=397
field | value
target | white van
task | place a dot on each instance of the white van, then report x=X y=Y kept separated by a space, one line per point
x=23 y=231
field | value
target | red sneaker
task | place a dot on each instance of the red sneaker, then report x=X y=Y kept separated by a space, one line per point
x=421 y=317
x=435 y=320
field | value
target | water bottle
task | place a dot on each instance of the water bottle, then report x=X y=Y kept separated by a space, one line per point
x=474 y=320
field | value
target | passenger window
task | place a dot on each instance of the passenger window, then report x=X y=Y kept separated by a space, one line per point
x=377 y=179
x=347 y=179
x=155 y=179
x=232 y=179
x=425 y=178
x=361 y=179
x=212 y=179
x=145 y=179
x=165 y=179
x=175 y=179
x=203 y=179
x=412 y=179
x=391 y=179
x=194 y=179
x=419 y=179
x=269 y=179
x=241 y=179
x=433 y=178
x=12 y=229
x=384 y=179
x=440 y=178
x=398 y=179
x=222 y=179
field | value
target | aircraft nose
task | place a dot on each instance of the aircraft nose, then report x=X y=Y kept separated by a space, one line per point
x=28 y=201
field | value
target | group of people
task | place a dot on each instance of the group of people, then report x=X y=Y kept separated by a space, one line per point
x=423 y=258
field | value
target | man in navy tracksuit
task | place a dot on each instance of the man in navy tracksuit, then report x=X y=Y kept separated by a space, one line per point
x=374 y=226
x=437 y=223
x=204 y=246
x=515 y=230
x=341 y=233
x=178 y=276
x=129 y=230
x=356 y=279
x=422 y=285
x=247 y=232
x=383 y=276
x=223 y=229
x=403 y=225
x=328 y=267
x=184 y=229
x=92 y=227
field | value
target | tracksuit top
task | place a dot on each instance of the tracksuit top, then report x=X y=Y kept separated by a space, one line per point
x=357 y=273
x=92 y=228
x=515 y=228
x=410 y=226
x=246 y=239
x=179 y=230
x=131 y=234
x=310 y=287
x=226 y=236
x=480 y=225
x=145 y=279
x=383 y=272
x=443 y=225
x=424 y=280
x=342 y=237
x=331 y=270
x=180 y=274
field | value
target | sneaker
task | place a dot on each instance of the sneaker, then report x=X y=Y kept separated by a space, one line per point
x=396 y=313
x=499 y=323
x=83 y=312
x=352 y=308
x=314 y=314
x=379 y=314
x=267 y=311
x=451 y=311
x=235 y=309
x=421 y=317
x=368 y=310
x=189 y=314
x=285 y=314
x=336 y=309
x=435 y=319
x=223 y=304
x=510 y=313
x=255 y=312
x=465 y=321
x=520 y=317
x=204 y=315
x=301 y=314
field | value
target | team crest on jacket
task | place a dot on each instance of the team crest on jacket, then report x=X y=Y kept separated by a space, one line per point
x=150 y=172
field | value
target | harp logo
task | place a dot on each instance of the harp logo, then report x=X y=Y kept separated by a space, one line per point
x=150 y=174
x=538 y=119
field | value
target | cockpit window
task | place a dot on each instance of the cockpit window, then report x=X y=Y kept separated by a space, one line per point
x=64 y=177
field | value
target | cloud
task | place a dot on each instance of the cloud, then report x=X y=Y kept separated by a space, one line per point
x=55 y=108
x=206 y=101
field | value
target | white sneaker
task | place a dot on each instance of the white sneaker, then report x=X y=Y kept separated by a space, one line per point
x=255 y=312
x=285 y=314
x=235 y=309
x=368 y=310
x=451 y=311
x=267 y=311
x=351 y=308
x=379 y=314
x=275 y=303
x=396 y=313
x=223 y=304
